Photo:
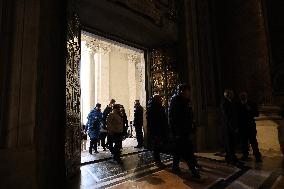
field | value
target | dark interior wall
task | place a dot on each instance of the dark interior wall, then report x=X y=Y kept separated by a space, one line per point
x=33 y=95
x=19 y=26
x=275 y=25
x=198 y=48
x=6 y=18
x=243 y=47
x=51 y=94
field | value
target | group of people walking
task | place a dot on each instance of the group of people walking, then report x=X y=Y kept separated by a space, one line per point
x=181 y=122
x=110 y=126
x=238 y=117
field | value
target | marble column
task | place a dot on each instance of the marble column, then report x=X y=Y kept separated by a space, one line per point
x=87 y=85
x=131 y=83
x=104 y=93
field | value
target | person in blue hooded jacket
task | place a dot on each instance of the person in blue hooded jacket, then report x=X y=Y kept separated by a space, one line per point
x=93 y=127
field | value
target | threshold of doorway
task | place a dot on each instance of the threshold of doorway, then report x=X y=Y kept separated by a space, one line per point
x=106 y=155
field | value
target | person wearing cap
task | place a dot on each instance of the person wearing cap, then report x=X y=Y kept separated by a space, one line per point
x=247 y=127
x=181 y=123
x=93 y=127
x=114 y=124
x=138 y=123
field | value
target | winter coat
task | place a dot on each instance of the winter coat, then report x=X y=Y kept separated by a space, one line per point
x=157 y=122
x=247 y=112
x=114 y=123
x=180 y=116
x=229 y=115
x=107 y=110
x=94 y=124
x=138 y=116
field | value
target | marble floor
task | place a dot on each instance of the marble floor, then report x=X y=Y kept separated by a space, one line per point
x=138 y=171
x=128 y=148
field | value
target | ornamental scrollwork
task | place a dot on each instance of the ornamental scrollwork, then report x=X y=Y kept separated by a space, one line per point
x=73 y=93
x=164 y=78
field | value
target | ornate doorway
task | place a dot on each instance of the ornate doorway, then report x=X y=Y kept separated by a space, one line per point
x=73 y=93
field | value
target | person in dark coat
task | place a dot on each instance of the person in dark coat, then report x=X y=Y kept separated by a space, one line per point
x=125 y=124
x=181 y=122
x=138 y=123
x=157 y=125
x=247 y=126
x=115 y=130
x=229 y=115
x=125 y=121
x=93 y=127
x=106 y=112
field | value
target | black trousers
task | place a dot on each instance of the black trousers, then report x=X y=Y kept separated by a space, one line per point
x=248 y=137
x=93 y=145
x=156 y=147
x=230 y=146
x=114 y=141
x=184 y=150
x=103 y=136
x=139 y=134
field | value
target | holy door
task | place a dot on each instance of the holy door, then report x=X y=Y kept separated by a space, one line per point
x=163 y=73
x=73 y=122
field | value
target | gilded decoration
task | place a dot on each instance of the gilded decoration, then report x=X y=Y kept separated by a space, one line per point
x=73 y=122
x=164 y=78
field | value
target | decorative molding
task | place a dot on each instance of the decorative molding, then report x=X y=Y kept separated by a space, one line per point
x=99 y=44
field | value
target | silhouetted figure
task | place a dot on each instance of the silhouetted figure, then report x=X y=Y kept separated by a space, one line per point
x=247 y=127
x=125 y=124
x=125 y=121
x=181 y=122
x=93 y=127
x=115 y=130
x=229 y=115
x=138 y=123
x=106 y=111
x=157 y=125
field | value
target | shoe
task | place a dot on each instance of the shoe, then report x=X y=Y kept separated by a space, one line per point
x=104 y=149
x=198 y=166
x=195 y=174
x=90 y=150
x=96 y=152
